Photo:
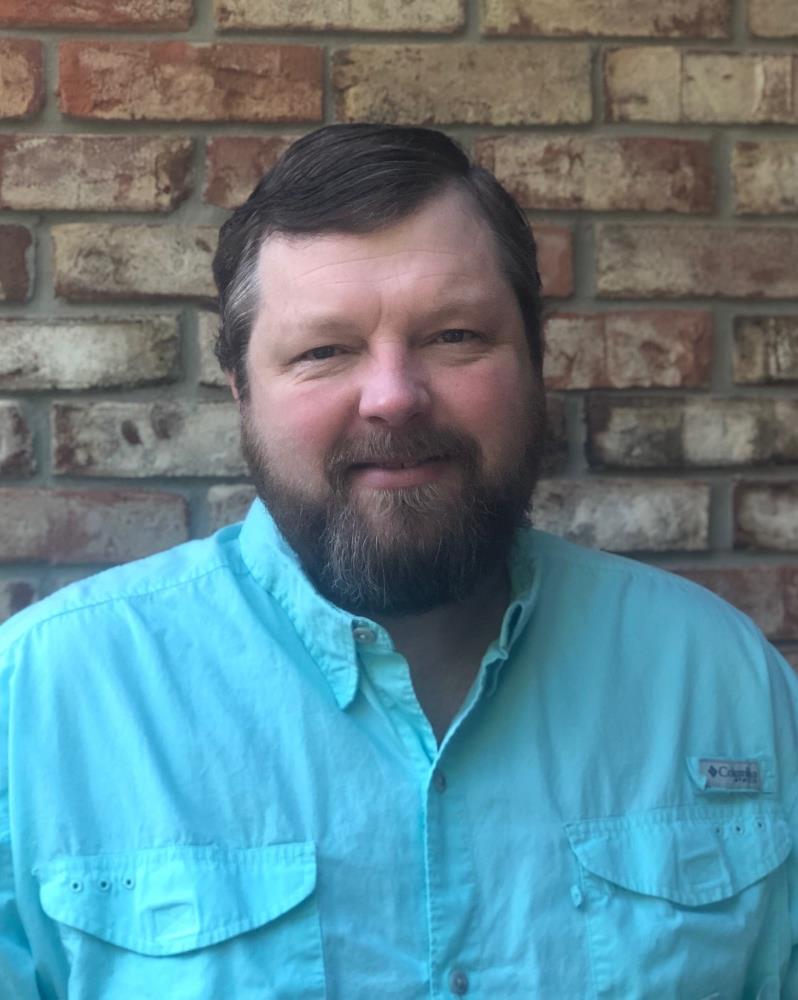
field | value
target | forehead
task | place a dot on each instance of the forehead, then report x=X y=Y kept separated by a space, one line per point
x=445 y=243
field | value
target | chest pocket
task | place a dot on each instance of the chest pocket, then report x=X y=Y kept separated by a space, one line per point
x=187 y=921
x=684 y=903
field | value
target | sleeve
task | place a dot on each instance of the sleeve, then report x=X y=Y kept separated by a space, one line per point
x=17 y=972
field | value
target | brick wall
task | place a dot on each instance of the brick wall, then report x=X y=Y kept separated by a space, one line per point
x=652 y=142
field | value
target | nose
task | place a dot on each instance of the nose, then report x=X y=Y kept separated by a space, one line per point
x=394 y=391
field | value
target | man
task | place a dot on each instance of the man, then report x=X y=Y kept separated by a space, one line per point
x=382 y=740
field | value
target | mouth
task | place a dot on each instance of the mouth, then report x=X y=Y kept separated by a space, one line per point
x=389 y=473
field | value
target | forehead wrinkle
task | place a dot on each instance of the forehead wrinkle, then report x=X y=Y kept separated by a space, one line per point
x=372 y=258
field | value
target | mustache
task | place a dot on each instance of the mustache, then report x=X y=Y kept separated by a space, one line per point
x=410 y=445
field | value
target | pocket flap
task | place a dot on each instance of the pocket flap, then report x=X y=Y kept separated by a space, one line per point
x=690 y=859
x=169 y=900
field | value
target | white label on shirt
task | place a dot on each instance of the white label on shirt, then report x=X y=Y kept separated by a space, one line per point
x=734 y=775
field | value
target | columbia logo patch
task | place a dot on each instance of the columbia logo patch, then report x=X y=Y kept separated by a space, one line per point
x=731 y=775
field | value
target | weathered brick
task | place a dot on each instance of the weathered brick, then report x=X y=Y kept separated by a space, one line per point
x=766 y=515
x=643 y=18
x=103 y=261
x=235 y=164
x=228 y=504
x=15 y=277
x=667 y=349
x=178 y=81
x=602 y=174
x=21 y=77
x=673 y=85
x=94 y=172
x=14 y=596
x=342 y=15
x=207 y=331
x=146 y=439
x=555 y=452
x=655 y=260
x=765 y=176
x=88 y=353
x=676 y=433
x=773 y=18
x=163 y=14
x=555 y=259
x=765 y=349
x=625 y=515
x=497 y=84
x=103 y=526
x=16 y=442
x=768 y=594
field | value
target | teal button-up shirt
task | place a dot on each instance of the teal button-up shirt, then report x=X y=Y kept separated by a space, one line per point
x=217 y=784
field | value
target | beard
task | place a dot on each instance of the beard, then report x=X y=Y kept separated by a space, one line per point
x=401 y=551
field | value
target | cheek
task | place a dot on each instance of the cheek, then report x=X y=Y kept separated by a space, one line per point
x=300 y=426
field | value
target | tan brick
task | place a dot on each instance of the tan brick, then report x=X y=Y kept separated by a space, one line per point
x=642 y=84
x=766 y=515
x=14 y=596
x=94 y=173
x=16 y=442
x=499 y=84
x=655 y=260
x=639 y=433
x=643 y=18
x=555 y=246
x=341 y=15
x=768 y=594
x=146 y=439
x=103 y=261
x=163 y=14
x=773 y=18
x=15 y=276
x=625 y=515
x=103 y=526
x=177 y=81
x=765 y=349
x=665 y=349
x=207 y=331
x=228 y=504
x=235 y=164
x=765 y=176
x=88 y=353
x=646 y=174
x=751 y=87
x=21 y=77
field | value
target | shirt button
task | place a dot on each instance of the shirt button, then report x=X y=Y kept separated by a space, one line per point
x=458 y=983
x=438 y=780
x=364 y=635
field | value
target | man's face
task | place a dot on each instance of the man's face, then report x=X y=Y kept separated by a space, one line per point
x=393 y=421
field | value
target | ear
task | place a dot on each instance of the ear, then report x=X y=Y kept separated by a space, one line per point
x=231 y=381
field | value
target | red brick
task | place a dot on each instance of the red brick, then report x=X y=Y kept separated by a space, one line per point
x=15 y=278
x=164 y=14
x=177 y=81
x=94 y=172
x=790 y=654
x=645 y=174
x=555 y=452
x=773 y=18
x=14 y=596
x=665 y=349
x=766 y=515
x=171 y=438
x=105 y=261
x=654 y=260
x=235 y=164
x=104 y=526
x=640 y=433
x=768 y=594
x=501 y=84
x=342 y=15
x=555 y=259
x=643 y=18
x=21 y=77
x=625 y=515
x=765 y=350
x=16 y=442
x=765 y=176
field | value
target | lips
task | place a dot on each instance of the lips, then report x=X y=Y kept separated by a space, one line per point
x=394 y=463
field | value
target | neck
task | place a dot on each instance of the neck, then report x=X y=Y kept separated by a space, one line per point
x=444 y=646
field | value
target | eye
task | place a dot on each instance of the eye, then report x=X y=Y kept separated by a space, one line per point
x=320 y=353
x=456 y=336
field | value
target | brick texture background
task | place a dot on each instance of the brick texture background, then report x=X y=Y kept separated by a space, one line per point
x=652 y=143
